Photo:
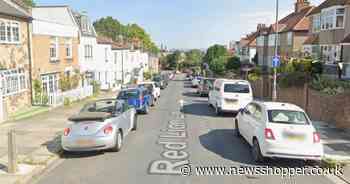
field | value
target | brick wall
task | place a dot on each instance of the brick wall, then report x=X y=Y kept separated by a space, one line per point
x=320 y=107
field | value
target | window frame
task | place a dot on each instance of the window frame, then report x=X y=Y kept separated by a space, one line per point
x=9 y=32
x=14 y=81
x=54 y=45
x=329 y=18
x=69 y=47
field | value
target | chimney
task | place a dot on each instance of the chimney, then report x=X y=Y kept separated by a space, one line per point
x=301 y=4
x=260 y=26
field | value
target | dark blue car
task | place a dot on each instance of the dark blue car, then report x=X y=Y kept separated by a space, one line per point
x=139 y=98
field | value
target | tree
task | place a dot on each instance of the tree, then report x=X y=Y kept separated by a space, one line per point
x=112 y=28
x=216 y=55
x=233 y=63
x=193 y=58
x=29 y=3
x=218 y=65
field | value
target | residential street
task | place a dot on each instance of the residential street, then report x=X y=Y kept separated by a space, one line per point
x=210 y=142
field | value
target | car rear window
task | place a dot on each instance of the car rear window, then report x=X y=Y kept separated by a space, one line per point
x=288 y=117
x=236 y=88
x=107 y=106
x=128 y=94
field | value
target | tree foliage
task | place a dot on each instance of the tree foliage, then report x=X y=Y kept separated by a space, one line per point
x=29 y=3
x=112 y=28
x=193 y=58
x=216 y=57
x=233 y=63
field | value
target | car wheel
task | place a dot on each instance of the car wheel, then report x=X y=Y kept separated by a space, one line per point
x=118 y=142
x=256 y=152
x=146 y=109
x=217 y=110
x=238 y=133
x=134 y=128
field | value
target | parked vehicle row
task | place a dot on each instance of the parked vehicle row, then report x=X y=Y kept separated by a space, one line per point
x=272 y=129
x=103 y=124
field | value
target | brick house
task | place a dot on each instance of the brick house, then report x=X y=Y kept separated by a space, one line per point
x=329 y=35
x=15 y=57
x=292 y=33
x=55 y=49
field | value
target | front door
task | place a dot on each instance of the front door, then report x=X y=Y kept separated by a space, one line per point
x=50 y=88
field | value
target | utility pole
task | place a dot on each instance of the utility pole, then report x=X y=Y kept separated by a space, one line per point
x=122 y=67
x=274 y=92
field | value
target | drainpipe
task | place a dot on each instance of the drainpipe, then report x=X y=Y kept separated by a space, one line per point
x=30 y=55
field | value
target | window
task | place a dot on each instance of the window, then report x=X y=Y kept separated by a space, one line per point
x=106 y=55
x=88 y=51
x=54 y=49
x=333 y=18
x=339 y=20
x=272 y=39
x=14 y=81
x=236 y=88
x=260 y=41
x=258 y=112
x=330 y=53
x=316 y=23
x=9 y=32
x=2 y=31
x=69 y=48
x=288 y=117
x=290 y=38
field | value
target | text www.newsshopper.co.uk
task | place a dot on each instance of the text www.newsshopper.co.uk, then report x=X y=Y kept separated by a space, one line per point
x=189 y=170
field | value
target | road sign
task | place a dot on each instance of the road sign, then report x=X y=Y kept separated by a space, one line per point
x=276 y=62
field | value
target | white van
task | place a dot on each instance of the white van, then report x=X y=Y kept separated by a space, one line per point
x=230 y=95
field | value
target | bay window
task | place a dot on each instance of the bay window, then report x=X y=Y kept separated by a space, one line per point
x=2 y=31
x=331 y=53
x=316 y=23
x=14 y=81
x=333 y=18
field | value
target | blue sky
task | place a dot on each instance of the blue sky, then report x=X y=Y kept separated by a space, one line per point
x=185 y=23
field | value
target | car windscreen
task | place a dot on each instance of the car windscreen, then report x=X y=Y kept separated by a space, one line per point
x=288 y=117
x=236 y=88
x=107 y=106
x=128 y=94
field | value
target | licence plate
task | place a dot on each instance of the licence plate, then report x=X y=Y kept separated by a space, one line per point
x=85 y=142
x=231 y=102
x=296 y=137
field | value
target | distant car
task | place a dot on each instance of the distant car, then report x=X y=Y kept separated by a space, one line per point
x=160 y=81
x=100 y=125
x=205 y=86
x=196 y=81
x=140 y=98
x=153 y=88
x=230 y=95
x=279 y=130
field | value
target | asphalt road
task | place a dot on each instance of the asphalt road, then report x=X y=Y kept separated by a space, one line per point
x=166 y=139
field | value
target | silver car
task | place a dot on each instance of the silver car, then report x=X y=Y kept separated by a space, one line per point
x=100 y=125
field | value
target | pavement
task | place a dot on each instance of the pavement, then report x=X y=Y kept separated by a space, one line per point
x=170 y=137
x=37 y=140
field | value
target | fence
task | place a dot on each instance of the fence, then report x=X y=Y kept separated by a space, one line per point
x=319 y=106
x=57 y=99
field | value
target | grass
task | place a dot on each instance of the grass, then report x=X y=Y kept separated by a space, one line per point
x=331 y=163
x=28 y=112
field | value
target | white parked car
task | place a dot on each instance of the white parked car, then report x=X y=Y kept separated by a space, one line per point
x=230 y=95
x=153 y=87
x=278 y=130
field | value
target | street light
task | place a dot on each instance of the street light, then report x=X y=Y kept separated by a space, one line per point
x=274 y=92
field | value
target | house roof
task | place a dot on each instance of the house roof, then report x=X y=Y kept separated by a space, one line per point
x=79 y=18
x=61 y=15
x=104 y=40
x=119 y=46
x=312 y=40
x=327 y=4
x=249 y=39
x=295 y=21
x=14 y=8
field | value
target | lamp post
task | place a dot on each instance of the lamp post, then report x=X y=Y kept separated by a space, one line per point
x=274 y=92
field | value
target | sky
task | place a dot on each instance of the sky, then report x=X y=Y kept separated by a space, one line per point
x=186 y=24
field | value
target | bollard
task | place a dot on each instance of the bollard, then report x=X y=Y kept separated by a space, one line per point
x=12 y=152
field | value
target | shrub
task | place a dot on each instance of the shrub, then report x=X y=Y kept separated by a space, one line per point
x=38 y=90
x=147 y=75
x=45 y=99
x=96 y=88
x=292 y=79
x=67 y=101
x=329 y=86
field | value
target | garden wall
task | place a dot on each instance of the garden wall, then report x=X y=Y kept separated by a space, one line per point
x=320 y=107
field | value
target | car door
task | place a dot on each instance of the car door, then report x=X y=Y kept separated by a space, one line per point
x=245 y=120
x=256 y=122
x=119 y=119
x=127 y=118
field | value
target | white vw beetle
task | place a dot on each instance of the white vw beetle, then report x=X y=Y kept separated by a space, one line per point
x=279 y=130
